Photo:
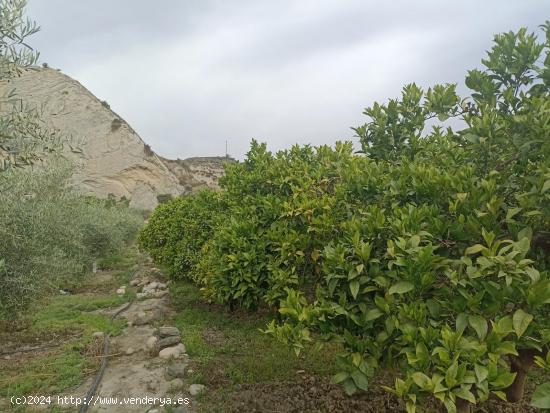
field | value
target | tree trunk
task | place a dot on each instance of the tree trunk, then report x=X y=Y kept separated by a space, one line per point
x=463 y=406
x=520 y=364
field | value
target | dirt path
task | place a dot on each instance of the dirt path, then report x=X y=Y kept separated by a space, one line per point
x=147 y=362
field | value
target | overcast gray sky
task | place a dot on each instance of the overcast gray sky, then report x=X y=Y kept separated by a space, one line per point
x=190 y=74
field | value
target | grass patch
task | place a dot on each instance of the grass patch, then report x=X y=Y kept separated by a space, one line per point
x=63 y=317
x=46 y=375
x=72 y=312
x=229 y=348
x=72 y=319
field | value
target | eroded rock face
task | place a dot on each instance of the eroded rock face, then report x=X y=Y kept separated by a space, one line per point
x=111 y=156
x=198 y=172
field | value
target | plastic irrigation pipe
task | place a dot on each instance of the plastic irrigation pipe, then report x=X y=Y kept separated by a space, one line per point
x=99 y=376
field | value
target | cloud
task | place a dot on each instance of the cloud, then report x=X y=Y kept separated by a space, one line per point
x=189 y=75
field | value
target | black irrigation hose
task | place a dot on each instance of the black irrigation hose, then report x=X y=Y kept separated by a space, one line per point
x=99 y=376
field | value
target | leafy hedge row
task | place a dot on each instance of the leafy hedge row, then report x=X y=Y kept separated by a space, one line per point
x=178 y=229
x=428 y=253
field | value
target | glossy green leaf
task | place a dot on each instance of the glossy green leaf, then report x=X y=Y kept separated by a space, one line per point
x=541 y=396
x=479 y=324
x=354 y=288
x=521 y=321
x=339 y=377
x=401 y=287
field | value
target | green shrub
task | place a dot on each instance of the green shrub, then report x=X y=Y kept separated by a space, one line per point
x=178 y=229
x=426 y=254
x=49 y=232
x=441 y=269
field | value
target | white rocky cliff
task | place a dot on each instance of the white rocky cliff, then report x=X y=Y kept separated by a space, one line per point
x=111 y=157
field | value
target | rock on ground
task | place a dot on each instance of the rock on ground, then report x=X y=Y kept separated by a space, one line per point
x=176 y=370
x=166 y=331
x=196 y=389
x=172 y=352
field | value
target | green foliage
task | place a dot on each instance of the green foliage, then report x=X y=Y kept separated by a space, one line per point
x=48 y=233
x=178 y=229
x=428 y=254
x=15 y=53
x=24 y=139
x=541 y=396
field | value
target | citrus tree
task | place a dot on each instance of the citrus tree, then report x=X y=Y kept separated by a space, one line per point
x=452 y=288
x=425 y=255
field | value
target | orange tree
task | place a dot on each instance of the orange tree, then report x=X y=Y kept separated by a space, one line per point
x=426 y=254
x=449 y=283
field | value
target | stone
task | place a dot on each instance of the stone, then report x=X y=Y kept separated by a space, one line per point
x=144 y=281
x=170 y=352
x=121 y=290
x=161 y=286
x=151 y=286
x=98 y=335
x=176 y=384
x=182 y=348
x=151 y=346
x=160 y=294
x=196 y=389
x=176 y=370
x=140 y=316
x=130 y=351
x=134 y=282
x=166 y=331
x=141 y=296
x=151 y=343
x=143 y=317
x=168 y=341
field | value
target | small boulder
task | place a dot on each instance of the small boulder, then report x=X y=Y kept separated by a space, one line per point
x=121 y=291
x=170 y=352
x=130 y=351
x=168 y=341
x=143 y=317
x=182 y=348
x=160 y=294
x=98 y=335
x=176 y=370
x=167 y=331
x=151 y=344
x=134 y=282
x=176 y=384
x=196 y=389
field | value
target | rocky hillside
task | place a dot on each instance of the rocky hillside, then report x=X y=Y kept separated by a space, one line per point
x=194 y=173
x=111 y=157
